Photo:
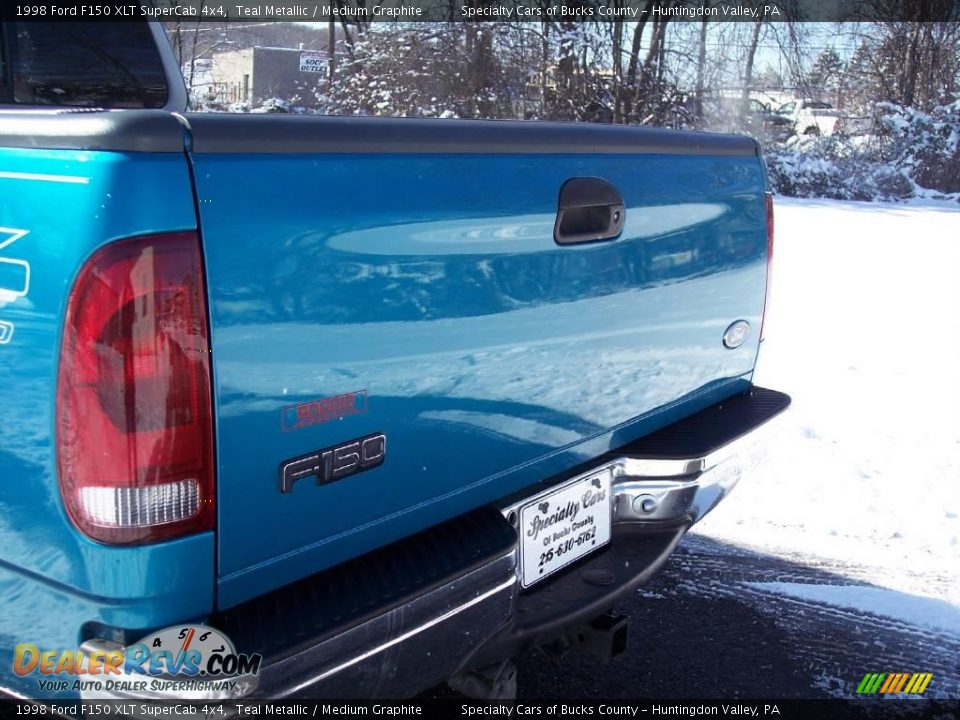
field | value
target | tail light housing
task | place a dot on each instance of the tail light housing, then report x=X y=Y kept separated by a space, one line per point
x=134 y=418
x=768 y=201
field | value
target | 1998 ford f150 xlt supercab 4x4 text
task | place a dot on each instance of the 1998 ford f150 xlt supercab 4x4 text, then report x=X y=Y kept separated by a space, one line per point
x=382 y=401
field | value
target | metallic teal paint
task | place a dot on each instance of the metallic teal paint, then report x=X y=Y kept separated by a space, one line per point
x=492 y=357
x=71 y=203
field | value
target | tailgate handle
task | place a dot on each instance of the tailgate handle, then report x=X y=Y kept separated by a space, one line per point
x=590 y=209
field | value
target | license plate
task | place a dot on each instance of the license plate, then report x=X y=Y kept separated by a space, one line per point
x=564 y=525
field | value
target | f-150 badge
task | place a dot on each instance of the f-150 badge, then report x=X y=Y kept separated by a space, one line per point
x=335 y=463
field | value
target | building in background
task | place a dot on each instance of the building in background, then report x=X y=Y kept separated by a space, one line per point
x=255 y=75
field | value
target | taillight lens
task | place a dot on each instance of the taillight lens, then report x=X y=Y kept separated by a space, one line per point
x=134 y=427
x=768 y=199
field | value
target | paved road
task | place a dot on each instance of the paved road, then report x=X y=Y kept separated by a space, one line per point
x=699 y=630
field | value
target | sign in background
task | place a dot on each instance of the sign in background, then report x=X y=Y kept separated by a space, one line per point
x=313 y=61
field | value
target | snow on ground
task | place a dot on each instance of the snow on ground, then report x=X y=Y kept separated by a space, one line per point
x=929 y=612
x=864 y=333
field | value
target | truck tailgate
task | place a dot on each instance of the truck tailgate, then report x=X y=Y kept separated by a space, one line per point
x=401 y=277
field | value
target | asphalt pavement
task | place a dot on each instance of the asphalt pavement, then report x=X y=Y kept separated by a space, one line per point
x=712 y=625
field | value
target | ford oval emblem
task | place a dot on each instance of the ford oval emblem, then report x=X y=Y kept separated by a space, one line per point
x=736 y=334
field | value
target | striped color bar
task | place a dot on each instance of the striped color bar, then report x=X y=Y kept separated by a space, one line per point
x=894 y=683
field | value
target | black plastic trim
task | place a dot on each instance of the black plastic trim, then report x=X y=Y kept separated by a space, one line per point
x=156 y=131
x=589 y=209
x=162 y=131
x=306 y=613
x=634 y=555
x=701 y=433
x=588 y=192
x=227 y=133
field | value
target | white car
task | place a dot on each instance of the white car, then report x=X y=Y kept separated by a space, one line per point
x=811 y=117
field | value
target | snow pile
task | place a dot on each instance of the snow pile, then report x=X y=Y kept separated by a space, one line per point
x=211 y=104
x=272 y=105
x=925 y=145
x=830 y=167
x=909 y=154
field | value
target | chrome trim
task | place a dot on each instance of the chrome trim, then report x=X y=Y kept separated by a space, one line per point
x=509 y=583
x=452 y=618
x=736 y=334
x=431 y=637
x=515 y=507
x=688 y=488
x=480 y=602
x=682 y=488
x=11 y=693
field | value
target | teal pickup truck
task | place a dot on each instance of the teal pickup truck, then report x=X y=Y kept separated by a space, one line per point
x=324 y=406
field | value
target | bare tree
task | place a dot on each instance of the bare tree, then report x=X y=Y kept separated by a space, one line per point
x=748 y=68
x=701 y=70
x=331 y=47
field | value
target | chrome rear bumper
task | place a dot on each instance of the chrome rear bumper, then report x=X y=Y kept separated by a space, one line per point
x=484 y=615
x=652 y=490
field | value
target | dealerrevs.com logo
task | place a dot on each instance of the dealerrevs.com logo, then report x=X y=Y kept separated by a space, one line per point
x=180 y=659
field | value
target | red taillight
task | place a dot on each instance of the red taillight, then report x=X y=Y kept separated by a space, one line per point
x=768 y=199
x=134 y=428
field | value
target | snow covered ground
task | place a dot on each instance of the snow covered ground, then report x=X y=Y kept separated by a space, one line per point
x=864 y=471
